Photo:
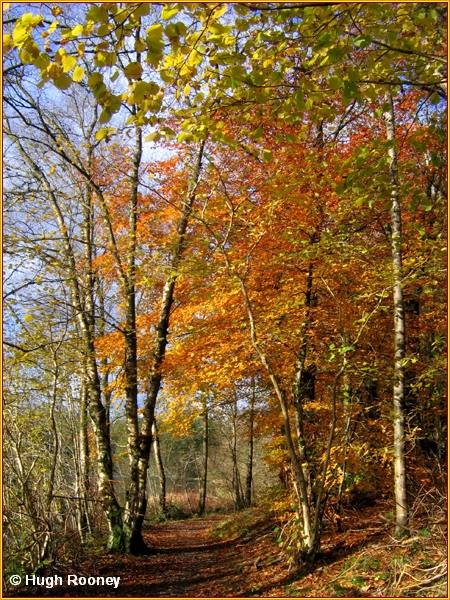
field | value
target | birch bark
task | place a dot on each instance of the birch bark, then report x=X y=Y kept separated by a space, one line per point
x=401 y=502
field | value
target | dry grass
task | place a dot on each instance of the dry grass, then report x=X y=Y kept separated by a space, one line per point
x=424 y=574
x=415 y=566
x=365 y=560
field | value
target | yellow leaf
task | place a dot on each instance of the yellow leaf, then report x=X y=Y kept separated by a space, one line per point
x=7 y=43
x=78 y=73
x=140 y=45
x=133 y=70
x=54 y=70
x=68 y=63
x=77 y=30
x=155 y=32
x=221 y=10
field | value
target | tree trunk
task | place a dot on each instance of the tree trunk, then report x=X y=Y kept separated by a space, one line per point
x=160 y=468
x=310 y=539
x=83 y=474
x=321 y=488
x=84 y=318
x=133 y=512
x=236 y=478
x=249 y=476
x=204 y=474
x=348 y=414
x=298 y=392
x=153 y=383
x=401 y=502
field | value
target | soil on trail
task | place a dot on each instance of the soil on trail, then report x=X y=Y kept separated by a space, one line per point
x=188 y=562
x=191 y=563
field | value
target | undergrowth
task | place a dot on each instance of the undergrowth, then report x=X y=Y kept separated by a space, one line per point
x=365 y=560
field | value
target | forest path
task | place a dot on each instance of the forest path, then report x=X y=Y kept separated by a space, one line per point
x=190 y=562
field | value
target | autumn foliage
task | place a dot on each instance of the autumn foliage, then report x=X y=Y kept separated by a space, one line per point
x=226 y=245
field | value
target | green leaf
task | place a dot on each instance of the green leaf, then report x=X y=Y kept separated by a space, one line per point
x=426 y=203
x=63 y=82
x=42 y=61
x=54 y=70
x=392 y=36
x=95 y=79
x=140 y=45
x=324 y=41
x=98 y=14
x=267 y=156
x=102 y=30
x=153 y=137
x=198 y=98
x=155 y=32
x=105 y=115
x=185 y=137
x=362 y=41
x=168 y=133
x=336 y=53
x=335 y=82
x=142 y=10
x=350 y=89
x=257 y=134
x=435 y=98
x=105 y=59
x=299 y=100
x=353 y=75
x=435 y=160
x=143 y=89
x=29 y=53
x=219 y=11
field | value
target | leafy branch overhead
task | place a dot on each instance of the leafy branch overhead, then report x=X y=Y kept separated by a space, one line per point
x=215 y=56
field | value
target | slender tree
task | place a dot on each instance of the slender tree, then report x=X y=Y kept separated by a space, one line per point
x=401 y=501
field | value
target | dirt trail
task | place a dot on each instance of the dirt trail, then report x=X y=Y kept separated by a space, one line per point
x=188 y=562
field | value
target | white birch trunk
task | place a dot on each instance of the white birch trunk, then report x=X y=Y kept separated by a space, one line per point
x=401 y=503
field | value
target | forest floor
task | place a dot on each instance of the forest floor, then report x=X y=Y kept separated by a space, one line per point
x=239 y=556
